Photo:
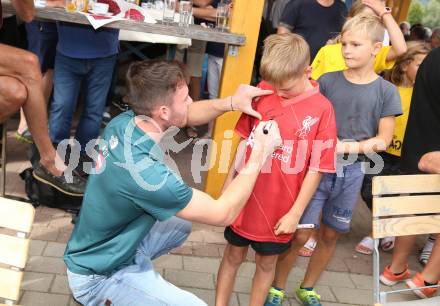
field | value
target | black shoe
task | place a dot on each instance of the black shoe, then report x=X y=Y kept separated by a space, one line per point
x=75 y=188
x=121 y=105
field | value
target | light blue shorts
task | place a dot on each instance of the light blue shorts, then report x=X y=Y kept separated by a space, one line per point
x=139 y=284
x=336 y=197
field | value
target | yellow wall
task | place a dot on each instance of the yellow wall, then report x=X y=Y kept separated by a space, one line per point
x=246 y=18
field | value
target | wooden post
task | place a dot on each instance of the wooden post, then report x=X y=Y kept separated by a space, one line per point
x=237 y=69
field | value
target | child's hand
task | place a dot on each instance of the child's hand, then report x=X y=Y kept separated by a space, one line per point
x=286 y=225
x=377 y=6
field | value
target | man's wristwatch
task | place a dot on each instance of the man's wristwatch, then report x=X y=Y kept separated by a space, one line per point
x=387 y=10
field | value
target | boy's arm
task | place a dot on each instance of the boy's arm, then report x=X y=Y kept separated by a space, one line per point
x=288 y=223
x=375 y=144
x=223 y=211
x=398 y=44
x=207 y=13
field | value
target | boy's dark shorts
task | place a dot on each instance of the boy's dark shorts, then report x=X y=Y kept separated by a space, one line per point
x=262 y=248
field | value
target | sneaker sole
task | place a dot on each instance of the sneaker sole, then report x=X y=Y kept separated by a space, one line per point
x=299 y=301
x=56 y=187
x=388 y=282
x=410 y=284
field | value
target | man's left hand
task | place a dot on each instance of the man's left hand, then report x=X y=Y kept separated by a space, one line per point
x=242 y=99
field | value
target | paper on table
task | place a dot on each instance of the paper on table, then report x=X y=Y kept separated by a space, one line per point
x=99 y=21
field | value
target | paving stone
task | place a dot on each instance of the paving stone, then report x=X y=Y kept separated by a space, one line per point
x=247 y=269
x=359 y=266
x=64 y=222
x=208 y=296
x=243 y=284
x=60 y=285
x=339 y=304
x=64 y=235
x=31 y=298
x=196 y=236
x=337 y=264
x=37 y=247
x=326 y=293
x=190 y=279
x=44 y=233
x=207 y=250
x=169 y=262
x=340 y=279
x=54 y=249
x=46 y=265
x=213 y=237
x=294 y=302
x=362 y=281
x=296 y=274
x=37 y=281
x=355 y=296
x=200 y=264
x=73 y=302
x=183 y=250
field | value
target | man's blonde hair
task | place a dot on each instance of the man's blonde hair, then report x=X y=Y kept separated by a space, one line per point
x=285 y=57
x=368 y=24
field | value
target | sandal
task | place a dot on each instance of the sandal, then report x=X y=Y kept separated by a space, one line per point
x=387 y=243
x=24 y=137
x=191 y=132
x=365 y=246
x=308 y=248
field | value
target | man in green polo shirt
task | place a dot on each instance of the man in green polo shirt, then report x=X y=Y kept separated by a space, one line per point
x=128 y=216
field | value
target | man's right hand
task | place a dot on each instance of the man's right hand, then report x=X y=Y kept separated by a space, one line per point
x=265 y=144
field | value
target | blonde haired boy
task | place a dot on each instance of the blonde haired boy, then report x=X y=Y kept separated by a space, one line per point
x=289 y=179
x=365 y=106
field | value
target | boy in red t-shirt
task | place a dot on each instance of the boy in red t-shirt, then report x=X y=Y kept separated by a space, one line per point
x=288 y=180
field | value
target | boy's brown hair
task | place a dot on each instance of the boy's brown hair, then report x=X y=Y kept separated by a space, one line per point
x=285 y=57
x=367 y=24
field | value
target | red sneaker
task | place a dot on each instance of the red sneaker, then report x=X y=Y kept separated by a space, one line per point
x=390 y=279
x=417 y=282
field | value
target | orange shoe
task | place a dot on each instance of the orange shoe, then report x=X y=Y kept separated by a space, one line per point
x=417 y=282
x=390 y=279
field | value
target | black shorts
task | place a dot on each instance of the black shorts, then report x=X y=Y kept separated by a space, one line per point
x=262 y=248
x=42 y=41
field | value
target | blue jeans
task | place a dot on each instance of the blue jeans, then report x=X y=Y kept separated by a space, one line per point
x=139 y=284
x=95 y=76
x=336 y=198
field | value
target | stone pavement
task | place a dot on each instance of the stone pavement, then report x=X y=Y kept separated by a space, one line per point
x=347 y=281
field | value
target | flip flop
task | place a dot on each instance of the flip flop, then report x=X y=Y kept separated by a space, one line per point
x=387 y=243
x=365 y=246
x=308 y=248
x=24 y=137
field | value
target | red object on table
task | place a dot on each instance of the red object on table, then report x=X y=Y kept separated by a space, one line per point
x=134 y=14
x=113 y=7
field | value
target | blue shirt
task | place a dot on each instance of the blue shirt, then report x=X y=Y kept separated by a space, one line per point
x=82 y=41
x=133 y=190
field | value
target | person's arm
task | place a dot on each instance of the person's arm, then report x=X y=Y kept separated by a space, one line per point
x=207 y=13
x=223 y=211
x=25 y=9
x=202 y=112
x=288 y=223
x=202 y=3
x=430 y=162
x=398 y=44
x=375 y=144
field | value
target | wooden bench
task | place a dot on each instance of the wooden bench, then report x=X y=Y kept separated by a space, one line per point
x=16 y=220
x=403 y=205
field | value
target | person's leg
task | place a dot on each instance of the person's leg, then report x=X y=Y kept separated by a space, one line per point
x=24 y=66
x=431 y=272
x=402 y=249
x=287 y=260
x=263 y=277
x=336 y=218
x=311 y=215
x=13 y=94
x=233 y=257
x=97 y=85
x=67 y=81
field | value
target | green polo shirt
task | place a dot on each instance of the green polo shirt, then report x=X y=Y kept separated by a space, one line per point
x=131 y=190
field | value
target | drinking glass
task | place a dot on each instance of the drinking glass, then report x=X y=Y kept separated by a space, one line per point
x=70 y=6
x=222 y=14
x=169 y=9
x=185 y=13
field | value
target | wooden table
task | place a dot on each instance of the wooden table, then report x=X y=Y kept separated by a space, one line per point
x=193 y=31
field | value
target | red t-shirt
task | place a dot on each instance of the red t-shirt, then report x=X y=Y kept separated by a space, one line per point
x=308 y=130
